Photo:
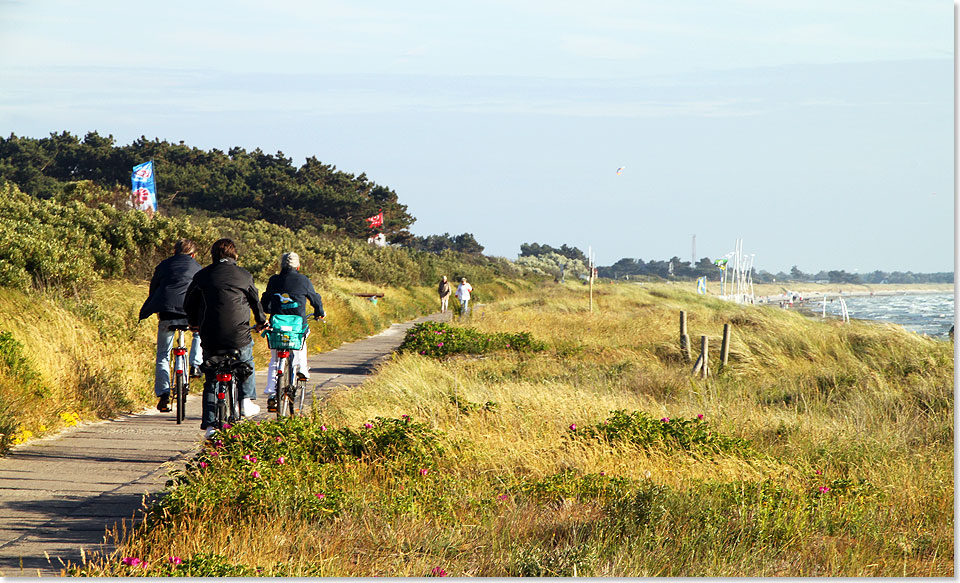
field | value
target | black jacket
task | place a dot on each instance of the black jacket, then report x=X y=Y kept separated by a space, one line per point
x=219 y=301
x=297 y=288
x=168 y=286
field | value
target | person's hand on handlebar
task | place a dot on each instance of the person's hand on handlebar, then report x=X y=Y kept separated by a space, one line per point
x=262 y=327
x=319 y=316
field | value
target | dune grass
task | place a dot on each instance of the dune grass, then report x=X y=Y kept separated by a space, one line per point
x=822 y=449
x=68 y=357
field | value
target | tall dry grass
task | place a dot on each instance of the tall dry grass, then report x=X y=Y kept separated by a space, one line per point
x=840 y=461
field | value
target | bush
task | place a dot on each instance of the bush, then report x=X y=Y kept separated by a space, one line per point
x=437 y=339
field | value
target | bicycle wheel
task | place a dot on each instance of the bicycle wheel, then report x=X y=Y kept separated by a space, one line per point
x=178 y=396
x=232 y=406
x=284 y=389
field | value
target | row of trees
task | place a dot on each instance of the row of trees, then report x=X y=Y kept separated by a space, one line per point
x=842 y=276
x=463 y=243
x=235 y=184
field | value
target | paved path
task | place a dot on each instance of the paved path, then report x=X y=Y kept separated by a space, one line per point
x=61 y=494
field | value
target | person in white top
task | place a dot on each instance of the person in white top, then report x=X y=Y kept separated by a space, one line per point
x=463 y=294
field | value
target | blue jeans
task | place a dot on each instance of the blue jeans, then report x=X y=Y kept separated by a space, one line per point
x=463 y=306
x=248 y=388
x=165 y=336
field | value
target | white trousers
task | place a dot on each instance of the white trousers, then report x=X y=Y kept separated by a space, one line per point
x=299 y=364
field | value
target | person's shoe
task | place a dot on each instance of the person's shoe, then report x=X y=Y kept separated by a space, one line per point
x=210 y=432
x=272 y=404
x=250 y=408
x=195 y=372
x=163 y=405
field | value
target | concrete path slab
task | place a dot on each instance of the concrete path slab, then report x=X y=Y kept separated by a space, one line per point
x=61 y=494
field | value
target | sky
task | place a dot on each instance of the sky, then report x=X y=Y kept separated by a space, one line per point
x=820 y=132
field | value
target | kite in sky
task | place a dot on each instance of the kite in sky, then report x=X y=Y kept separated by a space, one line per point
x=620 y=170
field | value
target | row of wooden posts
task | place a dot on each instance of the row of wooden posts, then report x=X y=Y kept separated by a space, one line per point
x=701 y=367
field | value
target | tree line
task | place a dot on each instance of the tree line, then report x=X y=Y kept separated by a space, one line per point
x=236 y=184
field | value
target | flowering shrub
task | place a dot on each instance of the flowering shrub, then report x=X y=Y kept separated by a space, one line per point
x=296 y=465
x=644 y=430
x=437 y=339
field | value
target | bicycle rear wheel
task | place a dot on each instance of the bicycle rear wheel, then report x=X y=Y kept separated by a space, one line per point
x=284 y=389
x=301 y=392
x=179 y=396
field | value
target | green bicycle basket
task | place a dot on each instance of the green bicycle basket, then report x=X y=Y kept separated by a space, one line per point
x=288 y=332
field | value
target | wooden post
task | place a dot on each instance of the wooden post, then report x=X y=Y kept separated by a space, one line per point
x=705 y=370
x=725 y=347
x=684 y=338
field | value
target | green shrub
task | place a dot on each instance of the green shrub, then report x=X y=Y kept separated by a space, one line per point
x=642 y=429
x=437 y=339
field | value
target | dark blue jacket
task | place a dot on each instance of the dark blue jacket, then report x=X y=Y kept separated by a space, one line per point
x=297 y=289
x=168 y=287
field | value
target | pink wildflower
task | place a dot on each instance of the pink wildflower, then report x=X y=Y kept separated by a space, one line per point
x=227 y=426
x=665 y=419
x=321 y=496
x=203 y=465
x=175 y=560
x=423 y=471
x=573 y=427
x=700 y=416
x=323 y=428
x=132 y=561
x=824 y=489
x=439 y=344
x=438 y=572
x=503 y=497
x=255 y=474
x=367 y=426
x=279 y=439
x=405 y=417
x=218 y=444
x=280 y=460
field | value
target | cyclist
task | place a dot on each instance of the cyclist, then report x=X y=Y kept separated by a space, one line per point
x=167 y=288
x=287 y=293
x=219 y=302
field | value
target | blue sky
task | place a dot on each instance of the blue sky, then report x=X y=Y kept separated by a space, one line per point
x=820 y=132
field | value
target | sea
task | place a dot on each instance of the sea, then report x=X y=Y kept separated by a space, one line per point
x=926 y=313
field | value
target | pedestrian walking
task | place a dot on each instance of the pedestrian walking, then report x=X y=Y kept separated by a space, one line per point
x=444 y=291
x=463 y=294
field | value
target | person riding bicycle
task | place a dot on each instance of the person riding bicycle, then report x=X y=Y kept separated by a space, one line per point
x=219 y=302
x=287 y=294
x=167 y=289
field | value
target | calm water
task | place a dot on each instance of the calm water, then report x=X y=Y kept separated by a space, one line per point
x=930 y=314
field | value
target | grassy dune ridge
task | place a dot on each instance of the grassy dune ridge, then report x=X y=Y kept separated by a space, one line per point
x=823 y=449
x=65 y=358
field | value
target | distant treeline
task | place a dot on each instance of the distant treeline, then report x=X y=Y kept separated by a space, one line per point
x=842 y=276
x=676 y=268
x=235 y=184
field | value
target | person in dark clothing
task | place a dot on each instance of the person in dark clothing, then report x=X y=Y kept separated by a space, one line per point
x=219 y=302
x=167 y=289
x=288 y=293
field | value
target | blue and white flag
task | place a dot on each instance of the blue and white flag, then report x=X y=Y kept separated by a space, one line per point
x=702 y=285
x=144 y=188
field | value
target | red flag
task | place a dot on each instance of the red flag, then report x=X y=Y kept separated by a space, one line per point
x=376 y=220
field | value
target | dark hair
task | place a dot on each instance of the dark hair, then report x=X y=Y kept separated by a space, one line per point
x=185 y=247
x=223 y=248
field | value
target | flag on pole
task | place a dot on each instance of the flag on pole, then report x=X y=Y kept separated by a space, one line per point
x=702 y=285
x=376 y=220
x=144 y=187
x=721 y=263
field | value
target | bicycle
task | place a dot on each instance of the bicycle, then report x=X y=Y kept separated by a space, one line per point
x=285 y=338
x=229 y=403
x=181 y=374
